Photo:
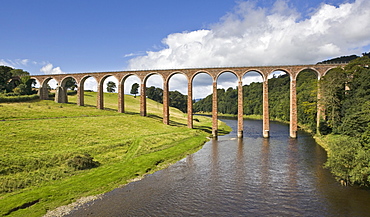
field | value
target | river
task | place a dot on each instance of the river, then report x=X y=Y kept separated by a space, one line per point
x=252 y=176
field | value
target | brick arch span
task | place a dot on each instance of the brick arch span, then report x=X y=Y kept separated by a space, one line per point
x=190 y=73
x=317 y=73
x=61 y=90
x=43 y=89
x=166 y=98
x=121 y=90
x=328 y=70
x=100 y=88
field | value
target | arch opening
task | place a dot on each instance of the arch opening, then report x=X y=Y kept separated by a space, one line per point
x=202 y=93
x=227 y=93
x=253 y=93
x=68 y=89
x=332 y=90
x=88 y=91
x=131 y=99
x=279 y=95
x=307 y=83
x=48 y=88
x=178 y=90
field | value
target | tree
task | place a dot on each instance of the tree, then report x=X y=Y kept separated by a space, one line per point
x=178 y=100
x=111 y=87
x=333 y=84
x=70 y=84
x=134 y=89
x=5 y=76
x=155 y=93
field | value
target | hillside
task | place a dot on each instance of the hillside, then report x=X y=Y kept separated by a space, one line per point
x=53 y=154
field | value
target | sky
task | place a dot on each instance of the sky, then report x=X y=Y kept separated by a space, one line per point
x=75 y=36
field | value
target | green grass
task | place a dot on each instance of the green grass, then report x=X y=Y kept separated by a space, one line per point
x=38 y=139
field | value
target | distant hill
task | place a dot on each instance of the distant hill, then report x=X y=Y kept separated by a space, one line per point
x=343 y=59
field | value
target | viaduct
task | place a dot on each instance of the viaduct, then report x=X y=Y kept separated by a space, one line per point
x=239 y=72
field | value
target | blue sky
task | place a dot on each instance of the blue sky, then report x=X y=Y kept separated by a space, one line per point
x=72 y=36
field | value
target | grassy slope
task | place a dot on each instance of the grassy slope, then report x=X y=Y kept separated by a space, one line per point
x=37 y=139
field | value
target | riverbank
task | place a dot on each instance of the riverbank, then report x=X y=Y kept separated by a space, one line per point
x=41 y=141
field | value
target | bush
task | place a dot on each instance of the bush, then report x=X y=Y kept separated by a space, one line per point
x=324 y=129
x=17 y=98
x=349 y=161
x=82 y=162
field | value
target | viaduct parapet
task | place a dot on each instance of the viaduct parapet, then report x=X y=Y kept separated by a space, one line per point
x=143 y=75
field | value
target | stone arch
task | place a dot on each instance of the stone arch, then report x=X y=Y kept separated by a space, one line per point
x=229 y=75
x=45 y=82
x=61 y=94
x=169 y=89
x=43 y=89
x=253 y=81
x=272 y=71
x=64 y=80
x=107 y=76
x=121 y=90
x=191 y=77
x=261 y=108
x=329 y=69
x=280 y=105
x=197 y=80
x=37 y=80
x=226 y=71
x=143 y=88
x=123 y=79
x=317 y=73
x=150 y=74
x=308 y=108
x=103 y=84
x=81 y=88
x=253 y=70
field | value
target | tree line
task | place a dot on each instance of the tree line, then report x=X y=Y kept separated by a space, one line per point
x=15 y=82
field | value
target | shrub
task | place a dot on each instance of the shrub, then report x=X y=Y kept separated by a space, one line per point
x=82 y=162
x=18 y=98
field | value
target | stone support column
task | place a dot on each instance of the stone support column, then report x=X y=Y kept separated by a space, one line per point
x=80 y=95
x=43 y=93
x=100 y=96
x=61 y=95
x=320 y=108
x=293 y=108
x=214 y=110
x=265 y=109
x=240 y=109
x=143 y=98
x=190 y=104
x=121 y=97
x=166 y=113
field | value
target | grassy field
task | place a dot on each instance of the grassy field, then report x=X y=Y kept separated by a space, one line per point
x=41 y=143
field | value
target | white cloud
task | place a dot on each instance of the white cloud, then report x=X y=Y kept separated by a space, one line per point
x=252 y=36
x=266 y=36
x=48 y=69
x=14 y=63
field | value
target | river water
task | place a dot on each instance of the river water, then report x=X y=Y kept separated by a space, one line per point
x=252 y=176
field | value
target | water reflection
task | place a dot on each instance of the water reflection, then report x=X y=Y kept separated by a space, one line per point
x=252 y=176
